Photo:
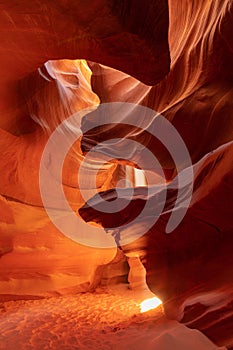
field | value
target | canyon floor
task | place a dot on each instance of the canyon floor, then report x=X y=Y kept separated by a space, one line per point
x=108 y=319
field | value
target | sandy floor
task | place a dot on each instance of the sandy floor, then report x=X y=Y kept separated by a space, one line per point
x=103 y=320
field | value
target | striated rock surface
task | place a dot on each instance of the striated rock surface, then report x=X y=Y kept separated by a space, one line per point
x=42 y=84
x=183 y=52
x=190 y=269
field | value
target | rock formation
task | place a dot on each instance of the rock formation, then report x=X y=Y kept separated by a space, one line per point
x=58 y=58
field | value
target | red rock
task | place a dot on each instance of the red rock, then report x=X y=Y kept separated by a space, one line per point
x=190 y=269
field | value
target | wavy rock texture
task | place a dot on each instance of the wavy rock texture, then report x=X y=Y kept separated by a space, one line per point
x=191 y=268
x=188 y=70
x=38 y=91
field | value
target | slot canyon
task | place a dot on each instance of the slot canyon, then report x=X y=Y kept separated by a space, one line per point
x=116 y=191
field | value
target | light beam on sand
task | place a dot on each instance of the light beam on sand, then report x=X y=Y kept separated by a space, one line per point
x=150 y=304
